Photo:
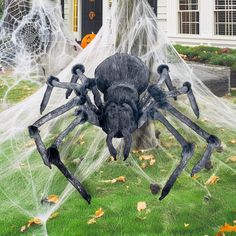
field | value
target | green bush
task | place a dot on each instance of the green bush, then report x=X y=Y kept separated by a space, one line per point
x=233 y=67
x=223 y=59
x=210 y=55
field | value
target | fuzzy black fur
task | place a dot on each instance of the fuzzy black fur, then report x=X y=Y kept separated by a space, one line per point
x=123 y=102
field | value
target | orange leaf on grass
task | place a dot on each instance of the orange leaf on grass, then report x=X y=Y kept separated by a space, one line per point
x=141 y=206
x=232 y=159
x=91 y=221
x=228 y=228
x=53 y=198
x=121 y=179
x=146 y=157
x=23 y=229
x=81 y=139
x=152 y=162
x=33 y=221
x=99 y=213
x=212 y=180
x=195 y=177
x=136 y=151
x=144 y=165
x=54 y=215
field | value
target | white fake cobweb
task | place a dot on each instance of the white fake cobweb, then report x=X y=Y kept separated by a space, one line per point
x=34 y=42
x=128 y=28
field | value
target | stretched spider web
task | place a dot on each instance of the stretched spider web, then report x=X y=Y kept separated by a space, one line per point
x=128 y=28
x=31 y=34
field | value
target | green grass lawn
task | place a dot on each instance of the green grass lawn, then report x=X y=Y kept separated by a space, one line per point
x=188 y=202
x=13 y=91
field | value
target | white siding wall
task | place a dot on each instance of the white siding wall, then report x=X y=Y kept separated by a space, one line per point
x=162 y=14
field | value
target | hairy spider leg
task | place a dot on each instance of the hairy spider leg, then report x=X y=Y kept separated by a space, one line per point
x=51 y=155
x=213 y=141
x=161 y=102
x=163 y=70
x=187 y=151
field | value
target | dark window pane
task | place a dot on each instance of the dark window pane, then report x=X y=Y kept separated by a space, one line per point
x=188 y=17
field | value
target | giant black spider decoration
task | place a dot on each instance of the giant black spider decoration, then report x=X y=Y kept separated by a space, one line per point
x=122 y=79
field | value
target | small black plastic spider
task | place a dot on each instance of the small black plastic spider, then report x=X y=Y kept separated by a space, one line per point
x=122 y=79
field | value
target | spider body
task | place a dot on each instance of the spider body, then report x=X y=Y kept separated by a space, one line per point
x=124 y=101
x=122 y=79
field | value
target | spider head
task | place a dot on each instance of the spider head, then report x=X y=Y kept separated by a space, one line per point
x=119 y=121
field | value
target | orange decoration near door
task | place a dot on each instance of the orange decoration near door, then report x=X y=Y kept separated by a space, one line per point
x=87 y=40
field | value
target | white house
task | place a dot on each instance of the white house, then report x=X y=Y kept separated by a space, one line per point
x=192 y=22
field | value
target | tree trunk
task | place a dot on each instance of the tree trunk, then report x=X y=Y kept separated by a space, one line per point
x=145 y=137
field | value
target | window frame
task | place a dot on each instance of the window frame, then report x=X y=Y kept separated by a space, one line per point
x=229 y=23
x=189 y=22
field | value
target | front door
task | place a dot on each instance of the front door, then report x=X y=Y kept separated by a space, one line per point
x=91 y=16
x=153 y=4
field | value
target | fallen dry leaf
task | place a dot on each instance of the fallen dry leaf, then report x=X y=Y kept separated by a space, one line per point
x=23 y=229
x=30 y=143
x=81 y=139
x=171 y=138
x=233 y=141
x=227 y=228
x=52 y=199
x=152 y=162
x=53 y=215
x=146 y=157
x=136 y=151
x=212 y=180
x=167 y=144
x=121 y=179
x=33 y=221
x=99 y=213
x=91 y=221
x=141 y=206
x=220 y=234
x=143 y=165
x=204 y=120
x=36 y=221
x=195 y=177
x=186 y=225
x=232 y=159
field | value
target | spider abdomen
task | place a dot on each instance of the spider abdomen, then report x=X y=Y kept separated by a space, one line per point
x=122 y=68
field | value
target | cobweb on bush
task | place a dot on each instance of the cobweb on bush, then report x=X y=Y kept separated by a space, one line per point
x=24 y=180
x=31 y=34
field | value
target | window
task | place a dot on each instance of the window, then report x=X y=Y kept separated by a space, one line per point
x=225 y=17
x=188 y=17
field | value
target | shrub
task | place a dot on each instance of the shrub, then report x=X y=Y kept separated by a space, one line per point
x=210 y=55
x=233 y=67
x=223 y=59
